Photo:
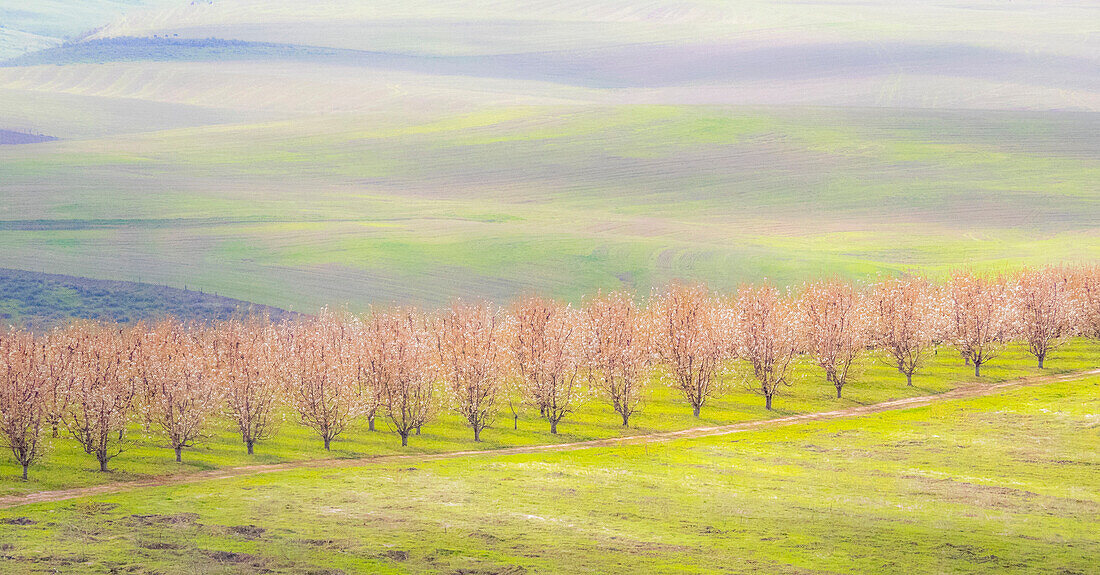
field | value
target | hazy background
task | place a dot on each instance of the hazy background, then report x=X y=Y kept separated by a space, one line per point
x=303 y=153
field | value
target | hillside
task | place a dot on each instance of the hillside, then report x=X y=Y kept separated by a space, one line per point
x=301 y=154
x=620 y=283
x=41 y=301
x=29 y=26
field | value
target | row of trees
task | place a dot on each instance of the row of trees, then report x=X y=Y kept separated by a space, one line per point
x=404 y=365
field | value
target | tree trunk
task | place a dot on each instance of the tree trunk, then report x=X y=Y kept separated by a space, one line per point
x=695 y=409
x=626 y=419
x=977 y=369
x=554 y=426
x=55 y=429
x=838 y=391
x=515 y=421
x=477 y=434
x=25 y=471
x=370 y=423
x=1041 y=358
x=120 y=433
x=405 y=439
x=102 y=457
x=418 y=430
x=768 y=402
x=179 y=455
x=328 y=440
x=249 y=443
x=909 y=379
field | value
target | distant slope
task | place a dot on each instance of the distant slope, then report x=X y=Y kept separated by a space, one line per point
x=27 y=25
x=557 y=200
x=9 y=137
x=302 y=153
x=42 y=300
x=642 y=65
x=16 y=42
x=168 y=50
x=951 y=54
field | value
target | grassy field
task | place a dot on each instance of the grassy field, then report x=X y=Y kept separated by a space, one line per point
x=300 y=154
x=1004 y=483
x=561 y=201
x=147 y=456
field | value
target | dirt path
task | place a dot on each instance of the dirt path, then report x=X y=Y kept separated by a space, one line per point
x=964 y=392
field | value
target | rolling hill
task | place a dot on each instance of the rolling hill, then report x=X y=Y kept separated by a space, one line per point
x=30 y=26
x=43 y=301
x=297 y=154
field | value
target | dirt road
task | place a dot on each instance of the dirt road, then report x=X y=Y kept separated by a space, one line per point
x=968 y=391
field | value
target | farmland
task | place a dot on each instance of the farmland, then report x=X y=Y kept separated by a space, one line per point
x=1000 y=482
x=498 y=203
x=279 y=153
x=506 y=287
x=66 y=466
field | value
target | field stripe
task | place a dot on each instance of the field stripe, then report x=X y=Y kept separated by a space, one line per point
x=963 y=392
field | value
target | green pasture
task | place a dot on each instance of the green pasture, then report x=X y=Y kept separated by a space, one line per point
x=147 y=455
x=557 y=200
x=1004 y=483
x=492 y=149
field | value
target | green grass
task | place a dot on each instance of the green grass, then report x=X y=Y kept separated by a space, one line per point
x=556 y=200
x=147 y=455
x=456 y=174
x=1003 y=483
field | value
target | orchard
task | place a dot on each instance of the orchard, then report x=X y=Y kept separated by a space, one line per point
x=92 y=381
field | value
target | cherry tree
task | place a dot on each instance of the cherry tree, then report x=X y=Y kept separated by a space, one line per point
x=321 y=373
x=246 y=364
x=1042 y=300
x=370 y=388
x=689 y=339
x=58 y=349
x=101 y=393
x=834 y=322
x=403 y=369
x=618 y=341
x=1085 y=300
x=513 y=389
x=473 y=360
x=183 y=391
x=981 y=314
x=905 y=317
x=545 y=347
x=24 y=395
x=767 y=337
